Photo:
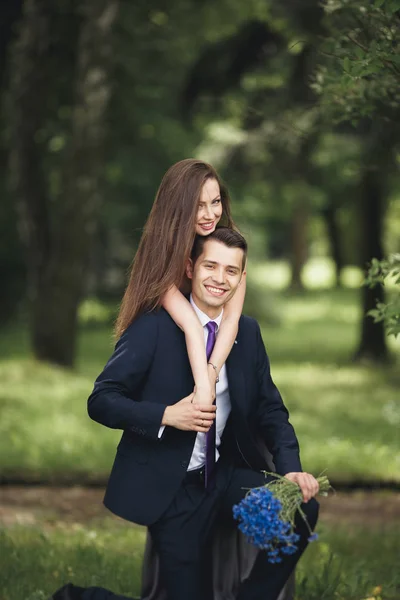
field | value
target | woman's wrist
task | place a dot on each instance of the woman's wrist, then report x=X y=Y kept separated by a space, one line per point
x=214 y=369
x=203 y=387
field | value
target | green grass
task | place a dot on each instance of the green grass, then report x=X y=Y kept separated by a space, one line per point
x=36 y=561
x=347 y=564
x=346 y=416
x=343 y=565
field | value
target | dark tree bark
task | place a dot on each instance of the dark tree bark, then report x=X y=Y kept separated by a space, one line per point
x=329 y=214
x=372 y=344
x=55 y=311
x=10 y=13
x=380 y=144
x=298 y=243
x=12 y=268
x=29 y=92
x=59 y=244
x=302 y=168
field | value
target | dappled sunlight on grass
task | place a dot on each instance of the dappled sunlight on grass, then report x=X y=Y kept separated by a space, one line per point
x=325 y=376
x=346 y=415
x=320 y=308
x=317 y=326
x=345 y=460
x=272 y=274
x=318 y=273
x=44 y=427
x=341 y=418
x=351 y=277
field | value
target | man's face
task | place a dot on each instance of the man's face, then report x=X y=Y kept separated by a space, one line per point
x=215 y=276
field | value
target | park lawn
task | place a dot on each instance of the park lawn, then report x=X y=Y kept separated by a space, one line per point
x=346 y=416
x=346 y=564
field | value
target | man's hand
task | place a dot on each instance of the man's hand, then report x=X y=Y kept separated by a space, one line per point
x=307 y=483
x=187 y=415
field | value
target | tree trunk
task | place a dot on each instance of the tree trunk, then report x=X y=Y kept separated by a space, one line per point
x=28 y=94
x=59 y=243
x=10 y=13
x=373 y=339
x=55 y=311
x=303 y=169
x=333 y=232
x=298 y=243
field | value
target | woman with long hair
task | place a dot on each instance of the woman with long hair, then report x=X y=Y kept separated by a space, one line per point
x=190 y=200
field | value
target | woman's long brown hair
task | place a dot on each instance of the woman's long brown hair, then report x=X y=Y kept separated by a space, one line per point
x=167 y=238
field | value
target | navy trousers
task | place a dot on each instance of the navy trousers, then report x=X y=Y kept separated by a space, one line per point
x=182 y=537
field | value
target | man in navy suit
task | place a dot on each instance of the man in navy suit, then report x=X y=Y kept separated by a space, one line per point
x=180 y=466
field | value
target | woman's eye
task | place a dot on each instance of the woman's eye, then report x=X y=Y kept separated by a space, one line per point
x=217 y=201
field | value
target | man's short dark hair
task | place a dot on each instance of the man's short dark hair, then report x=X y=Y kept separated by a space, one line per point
x=225 y=235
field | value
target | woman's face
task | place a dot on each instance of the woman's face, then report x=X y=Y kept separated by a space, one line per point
x=210 y=208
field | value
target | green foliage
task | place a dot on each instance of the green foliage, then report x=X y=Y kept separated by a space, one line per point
x=359 y=70
x=380 y=272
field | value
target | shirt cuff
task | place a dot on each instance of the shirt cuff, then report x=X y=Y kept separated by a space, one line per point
x=161 y=431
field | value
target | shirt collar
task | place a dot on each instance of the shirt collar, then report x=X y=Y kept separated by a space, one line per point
x=204 y=319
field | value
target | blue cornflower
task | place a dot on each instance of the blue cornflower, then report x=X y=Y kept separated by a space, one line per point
x=266 y=515
x=259 y=516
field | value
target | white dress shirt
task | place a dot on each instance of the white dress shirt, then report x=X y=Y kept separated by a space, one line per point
x=223 y=402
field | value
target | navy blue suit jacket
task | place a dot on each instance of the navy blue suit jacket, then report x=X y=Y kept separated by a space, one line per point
x=149 y=370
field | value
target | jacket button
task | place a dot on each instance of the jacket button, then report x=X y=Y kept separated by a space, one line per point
x=184 y=464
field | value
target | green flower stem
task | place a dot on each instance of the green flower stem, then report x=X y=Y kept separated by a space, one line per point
x=290 y=496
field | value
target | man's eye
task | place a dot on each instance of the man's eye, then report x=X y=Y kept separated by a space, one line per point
x=231 y=272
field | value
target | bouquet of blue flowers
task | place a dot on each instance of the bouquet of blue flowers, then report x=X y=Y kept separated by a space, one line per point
x=266 y=515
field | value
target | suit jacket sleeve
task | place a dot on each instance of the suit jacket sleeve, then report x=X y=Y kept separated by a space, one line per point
x=114 y=400
x=273 y=417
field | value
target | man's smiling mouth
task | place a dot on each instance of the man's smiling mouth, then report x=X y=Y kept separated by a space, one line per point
x=215 y=291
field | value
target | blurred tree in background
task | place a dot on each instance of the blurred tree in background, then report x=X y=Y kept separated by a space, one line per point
x=359 y=84
x=297 y=104
x=341 y=79
x=59 y=200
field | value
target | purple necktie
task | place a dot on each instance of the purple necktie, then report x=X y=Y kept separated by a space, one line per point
x=210 y=435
